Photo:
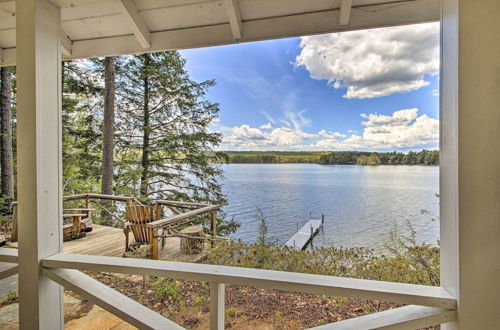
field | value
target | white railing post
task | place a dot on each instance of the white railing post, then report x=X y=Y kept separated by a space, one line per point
x=217 y=294
x=39 y=165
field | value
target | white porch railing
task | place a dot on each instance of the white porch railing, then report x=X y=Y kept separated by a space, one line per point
x=428 y=305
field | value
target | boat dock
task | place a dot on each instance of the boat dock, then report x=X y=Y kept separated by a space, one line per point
x=305 y=234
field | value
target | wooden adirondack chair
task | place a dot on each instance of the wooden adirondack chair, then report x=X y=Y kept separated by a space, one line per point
x=137 y=216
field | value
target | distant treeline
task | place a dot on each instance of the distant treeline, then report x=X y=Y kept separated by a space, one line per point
x=424 y=157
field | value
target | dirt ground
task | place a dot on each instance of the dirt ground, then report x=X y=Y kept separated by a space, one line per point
x=245 y=307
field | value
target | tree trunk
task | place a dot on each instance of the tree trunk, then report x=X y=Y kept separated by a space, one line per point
x=108 y=126
x=146 y=132
x=7 y=177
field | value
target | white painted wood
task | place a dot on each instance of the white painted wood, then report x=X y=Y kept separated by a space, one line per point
x=8 y=272
x=305 y=234
x=302 y=23
x=298 y=282
x=137 y=24
x=407 y=317
x=345 y=11
x=470 y=100
x=217 y=305
x=114 y=302
x=8 y=255
x=448 y=149
x=66 y=44
x=8 y=57
x=39 y=160
x=233 y=11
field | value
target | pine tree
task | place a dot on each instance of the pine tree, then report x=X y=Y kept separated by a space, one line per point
x=6 y=163
x=81 y=129
x=108 y=126
x=166 y=149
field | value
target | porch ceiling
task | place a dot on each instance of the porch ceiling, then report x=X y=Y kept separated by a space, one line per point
x=93 y=28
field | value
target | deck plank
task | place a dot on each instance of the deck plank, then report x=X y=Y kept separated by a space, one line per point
x=109 y=241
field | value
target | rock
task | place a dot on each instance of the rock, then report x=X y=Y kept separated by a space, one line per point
x=9 y=317
x=98 y=318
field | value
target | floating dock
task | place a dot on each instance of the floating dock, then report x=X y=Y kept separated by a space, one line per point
x=305 y=235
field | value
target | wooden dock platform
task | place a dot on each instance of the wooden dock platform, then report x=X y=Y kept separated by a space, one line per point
x=305 y=235
x=110 y=241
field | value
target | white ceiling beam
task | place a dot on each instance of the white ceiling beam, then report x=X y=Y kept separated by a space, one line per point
x=139 y=27
x=408 y=12
x=233 y=11
x=8 y=57
x=345 y=12
x=66 y=44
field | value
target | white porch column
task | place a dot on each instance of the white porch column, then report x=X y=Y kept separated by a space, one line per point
x=39 y=160
x=470 y=160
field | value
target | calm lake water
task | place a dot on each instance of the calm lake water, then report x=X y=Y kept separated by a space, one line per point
x=361 y=204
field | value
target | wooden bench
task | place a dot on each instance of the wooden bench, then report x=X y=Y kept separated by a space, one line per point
x=81 y=217
x=86 y=221
x=73 y=229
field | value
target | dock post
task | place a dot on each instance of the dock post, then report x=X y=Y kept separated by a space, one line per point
x=322 y=219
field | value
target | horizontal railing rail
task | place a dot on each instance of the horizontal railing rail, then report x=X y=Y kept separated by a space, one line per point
x=298 y=282
x=182 y=216
x=8 y=255
x=427 y=305
x=181 y=204
x=103 y=197
x=407 y=317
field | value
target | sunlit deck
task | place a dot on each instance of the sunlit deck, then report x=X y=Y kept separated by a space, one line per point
x=109 y=241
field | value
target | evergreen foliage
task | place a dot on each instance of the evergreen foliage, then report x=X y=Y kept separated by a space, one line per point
x=424 y=157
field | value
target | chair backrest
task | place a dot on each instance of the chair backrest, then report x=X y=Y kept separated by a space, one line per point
x=138 y=216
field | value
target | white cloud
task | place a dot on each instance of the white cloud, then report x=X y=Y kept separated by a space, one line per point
x=332 y=135
x=245 y=137
x=283 y=136
x=404 y=129
x=376 y=62
x=245 y=132
x=398 y=118
x=266 y=126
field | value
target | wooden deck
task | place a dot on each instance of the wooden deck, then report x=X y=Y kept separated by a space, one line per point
x=109 y=241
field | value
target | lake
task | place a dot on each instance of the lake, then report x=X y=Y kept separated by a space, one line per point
x=361 y=204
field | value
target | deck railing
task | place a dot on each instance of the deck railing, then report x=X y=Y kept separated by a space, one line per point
x=426 y=305
x=166 y=224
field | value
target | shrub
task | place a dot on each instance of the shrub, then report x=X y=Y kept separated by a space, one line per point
x=417 y=264
x=166 y=288
x=5 y=209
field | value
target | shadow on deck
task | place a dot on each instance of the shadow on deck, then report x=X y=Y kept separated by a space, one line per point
x=109 y=241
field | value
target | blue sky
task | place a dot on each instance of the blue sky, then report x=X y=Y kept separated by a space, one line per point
x=363 y=90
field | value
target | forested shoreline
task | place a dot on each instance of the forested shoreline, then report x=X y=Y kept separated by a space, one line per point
x=424 y=157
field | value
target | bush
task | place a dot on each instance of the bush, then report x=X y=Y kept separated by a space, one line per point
x=417 y=264
x=166 y=288
x=5 y=209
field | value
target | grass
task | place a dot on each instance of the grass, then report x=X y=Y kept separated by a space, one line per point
x=10 y=298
